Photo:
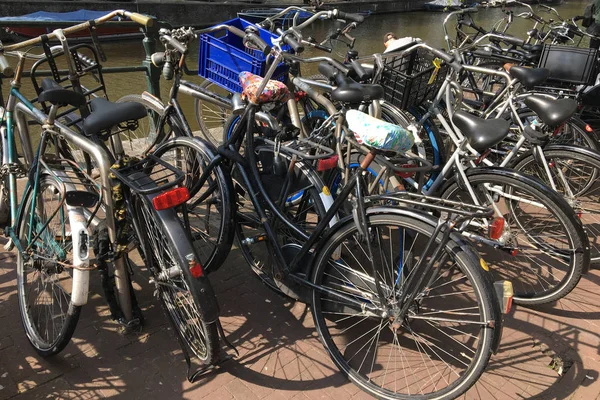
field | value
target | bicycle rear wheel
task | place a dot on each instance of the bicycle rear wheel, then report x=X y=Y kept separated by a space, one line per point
x=209 y=211
x=44 y=279
x=575 y=173
x=211 y=117
x=443 y=344
x=175 y=287
x=541 y=246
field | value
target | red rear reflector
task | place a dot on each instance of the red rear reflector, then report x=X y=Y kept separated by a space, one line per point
x=496 y=228
x=406 y=174
x=579 y=215
x=299 y=95
x=327 y=163
x=514 y=252
x=171 y=198
x=196 y=270
x=588 y=128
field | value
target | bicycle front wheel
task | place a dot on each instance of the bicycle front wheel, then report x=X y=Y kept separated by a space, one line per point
x=442 y=345
x=44 y=270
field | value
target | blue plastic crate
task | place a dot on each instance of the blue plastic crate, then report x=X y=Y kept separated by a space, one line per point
x=222 y=57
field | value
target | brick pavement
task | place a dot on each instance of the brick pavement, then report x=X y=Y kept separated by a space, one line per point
x=280 y=354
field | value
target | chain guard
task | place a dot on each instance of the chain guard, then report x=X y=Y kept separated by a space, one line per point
x=289 y=286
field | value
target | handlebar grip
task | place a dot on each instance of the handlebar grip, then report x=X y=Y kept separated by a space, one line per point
x=293 y=43
x=258 y=42
x=176 y=44
x=328 y=70
x=350 y=17
x=360 y=71
x=5 y=68
x=513 y=40
x=578 y=18
x=141 y=19
x=323 y=48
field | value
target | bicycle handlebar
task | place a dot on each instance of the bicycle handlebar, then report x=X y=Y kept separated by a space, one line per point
x=139 y=18
x=176 y=44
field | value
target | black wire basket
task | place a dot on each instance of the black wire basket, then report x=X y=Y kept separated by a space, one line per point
x=411 y=79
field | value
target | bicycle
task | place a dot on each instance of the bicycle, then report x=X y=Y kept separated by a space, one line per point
x=132 y=204
x=342 y=286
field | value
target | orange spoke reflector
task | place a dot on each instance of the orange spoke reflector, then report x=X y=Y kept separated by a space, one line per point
x=197 y=270
x=514 y=252
x=327 y=163
x=496 y=228
x=588 y=128
x=171 y=198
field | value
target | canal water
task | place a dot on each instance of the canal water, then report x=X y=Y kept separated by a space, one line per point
x=425 y=25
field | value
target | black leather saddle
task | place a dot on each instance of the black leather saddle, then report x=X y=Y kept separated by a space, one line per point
x=348 y=90
x=55 y=94
x=481 y=133
x=552 y=112
x=105 y=115
x=529 y=77
x=533 y=48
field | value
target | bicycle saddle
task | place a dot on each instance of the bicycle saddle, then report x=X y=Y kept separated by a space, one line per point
x=55 y=94
x=533 y=48
x=378 y=134
x=274 y=91
x=529 y=77
x=105 y=115
x=481 y=133
x=348 y=90
x=552 y=112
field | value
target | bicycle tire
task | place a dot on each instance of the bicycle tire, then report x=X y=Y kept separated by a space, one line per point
x=180 y=293
x=212 y=115
x=147 y=127
x=561 y=217
x=581 y=192
x=47 y=185
x=325 y=310
x=192 y=155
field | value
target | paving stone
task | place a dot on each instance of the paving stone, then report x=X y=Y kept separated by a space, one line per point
x=280 y=354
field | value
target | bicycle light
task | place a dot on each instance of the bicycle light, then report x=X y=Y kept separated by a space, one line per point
x=171 y=198
x=325 y=164
x=496 y=228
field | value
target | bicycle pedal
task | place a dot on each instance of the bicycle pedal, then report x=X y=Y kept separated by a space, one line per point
x=132 y=326
x=9 y=245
